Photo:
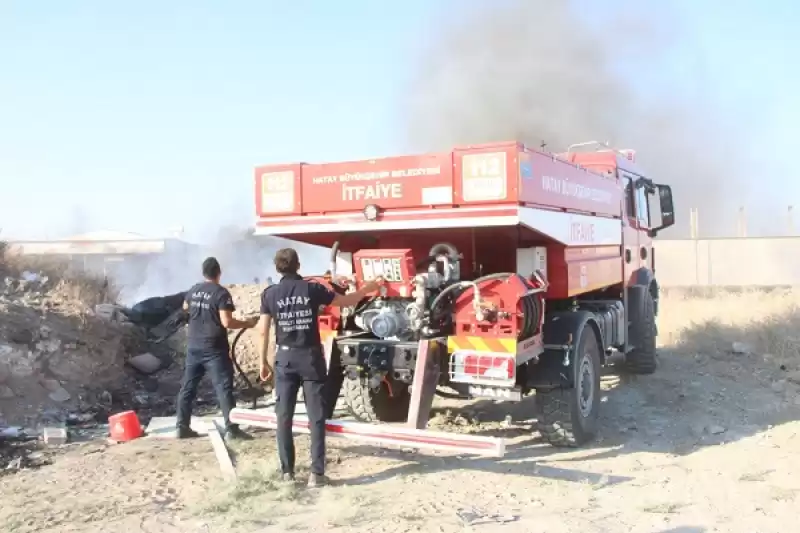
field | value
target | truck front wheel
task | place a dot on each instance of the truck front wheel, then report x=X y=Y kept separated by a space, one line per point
x=643 y=358
x=568 y=417
x=387 y=404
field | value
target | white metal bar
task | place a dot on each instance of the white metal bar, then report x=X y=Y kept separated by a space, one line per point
x=382 y=435
x=221 y=451
x=383 y=225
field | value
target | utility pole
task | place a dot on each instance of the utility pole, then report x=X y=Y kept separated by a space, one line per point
x=742 y=225
x=693 y=223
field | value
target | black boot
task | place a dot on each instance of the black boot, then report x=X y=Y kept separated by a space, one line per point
x=317 y=480
x=235 y=433
x=187 y=433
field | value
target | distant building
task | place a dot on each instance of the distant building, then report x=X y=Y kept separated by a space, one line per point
x=114 y=253
x=143 y=267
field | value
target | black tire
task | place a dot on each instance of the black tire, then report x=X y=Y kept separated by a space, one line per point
x=562 y=418
x=376 y=406
x=643 y=358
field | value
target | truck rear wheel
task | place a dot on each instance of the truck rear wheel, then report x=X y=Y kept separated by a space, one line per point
x=369 y=406
x=643 y=358
x=569 y=417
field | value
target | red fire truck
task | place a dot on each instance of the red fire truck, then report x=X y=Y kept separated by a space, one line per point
x=508 y=270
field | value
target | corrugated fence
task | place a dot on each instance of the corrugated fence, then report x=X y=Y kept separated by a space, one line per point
x=733 y=262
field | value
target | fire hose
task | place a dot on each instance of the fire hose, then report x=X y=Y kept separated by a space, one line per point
x=531 y=306
x=251 y=392
x=179 y=319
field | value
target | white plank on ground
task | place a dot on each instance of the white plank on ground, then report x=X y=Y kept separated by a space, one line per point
x=221 y=451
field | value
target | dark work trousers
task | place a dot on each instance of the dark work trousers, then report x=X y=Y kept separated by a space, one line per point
x=218 y=364
x=295 y=368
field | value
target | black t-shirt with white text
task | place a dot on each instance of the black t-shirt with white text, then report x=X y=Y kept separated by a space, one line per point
x=294 y=305
x=206 y=331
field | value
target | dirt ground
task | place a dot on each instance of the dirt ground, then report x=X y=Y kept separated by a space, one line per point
x=708 y=443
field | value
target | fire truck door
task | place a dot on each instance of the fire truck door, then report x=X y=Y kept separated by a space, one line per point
x=645 y=252
x=630 y=234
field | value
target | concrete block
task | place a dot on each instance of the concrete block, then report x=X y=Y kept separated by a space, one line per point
x=55 y=436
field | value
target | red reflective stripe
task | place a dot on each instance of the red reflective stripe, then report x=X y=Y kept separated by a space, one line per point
x=344 y=430
x=478 y=365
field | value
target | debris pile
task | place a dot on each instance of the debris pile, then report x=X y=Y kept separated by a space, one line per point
x=18 y=450
x=69 y=357
x=52 y=348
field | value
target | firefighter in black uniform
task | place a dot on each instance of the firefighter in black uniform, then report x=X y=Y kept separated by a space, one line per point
x=210 y=307
x=294 y=304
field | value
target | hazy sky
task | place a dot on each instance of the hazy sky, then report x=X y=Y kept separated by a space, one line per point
x=140 y=116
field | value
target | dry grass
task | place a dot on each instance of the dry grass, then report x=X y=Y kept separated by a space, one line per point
x=246 y=497
x=260 y=498
x=764 y=324
x=65 y=283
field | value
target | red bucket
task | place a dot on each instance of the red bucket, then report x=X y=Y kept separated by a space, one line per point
x=124 y=426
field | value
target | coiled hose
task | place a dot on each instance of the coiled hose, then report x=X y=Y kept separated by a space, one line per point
x=249 y=392
x=531 y=306
x=532 y=310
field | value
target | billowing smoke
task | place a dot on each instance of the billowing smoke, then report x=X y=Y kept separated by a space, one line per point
x=244 y=258
x=535 y=71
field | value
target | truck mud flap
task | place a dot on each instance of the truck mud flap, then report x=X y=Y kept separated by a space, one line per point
x=554 y=369
x=382 y=435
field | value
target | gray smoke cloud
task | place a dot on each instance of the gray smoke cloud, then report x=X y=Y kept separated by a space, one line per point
x=244 y=258
x=535 y=71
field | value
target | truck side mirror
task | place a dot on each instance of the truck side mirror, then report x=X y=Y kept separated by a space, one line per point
x=667 y=208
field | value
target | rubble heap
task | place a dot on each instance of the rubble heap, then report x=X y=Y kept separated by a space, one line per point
x=69 y=356
x=53 y=351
